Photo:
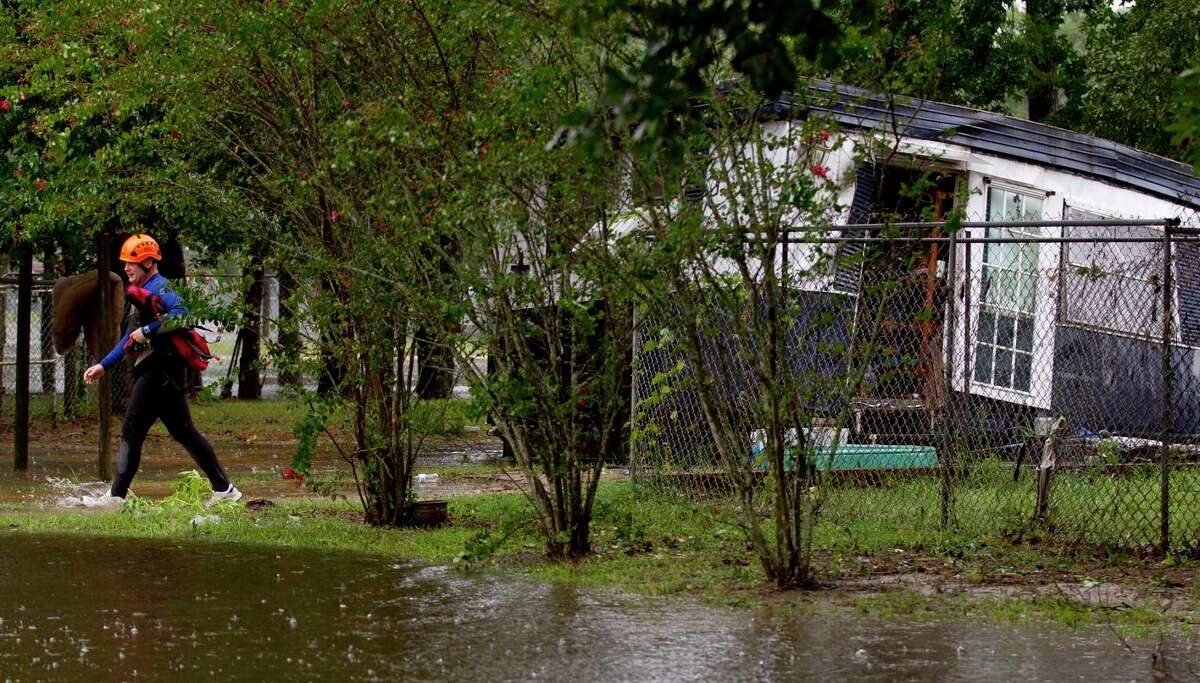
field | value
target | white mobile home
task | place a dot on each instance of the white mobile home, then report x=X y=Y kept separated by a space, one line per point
x=1046 y=328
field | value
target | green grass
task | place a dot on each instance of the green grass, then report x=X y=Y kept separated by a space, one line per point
x=1114 y=510
x=446 y=417
x=41 y=408
x=1137 y=621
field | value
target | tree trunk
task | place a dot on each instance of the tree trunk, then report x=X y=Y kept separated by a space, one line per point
x=249 y=377
x=435 y=378
x=1041 y=91
x=172 y=266
x=71 y=384
x=71 y=377
x=289 y=334
x=333 y=370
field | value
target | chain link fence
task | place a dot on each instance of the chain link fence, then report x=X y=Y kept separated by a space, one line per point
x=1015 y=374
x=54 y=381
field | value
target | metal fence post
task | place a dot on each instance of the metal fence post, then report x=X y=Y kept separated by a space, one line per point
x=948 y=380
x=1168 y=388
x=634 y=357
x=24 y=311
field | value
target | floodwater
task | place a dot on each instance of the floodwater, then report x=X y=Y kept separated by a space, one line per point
x=75 y=608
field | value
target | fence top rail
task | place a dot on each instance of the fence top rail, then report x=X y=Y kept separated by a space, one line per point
x=844 y=232
x=14 y=281
x=1172 y=224
x=974 y=240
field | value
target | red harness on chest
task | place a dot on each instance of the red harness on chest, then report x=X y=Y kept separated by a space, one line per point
x=191 y=346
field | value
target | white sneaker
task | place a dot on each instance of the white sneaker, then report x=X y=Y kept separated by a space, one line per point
x=108 y=501
x=232 y=494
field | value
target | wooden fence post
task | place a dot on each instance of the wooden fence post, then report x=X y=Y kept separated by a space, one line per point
x=24 y=311
x=103 y=267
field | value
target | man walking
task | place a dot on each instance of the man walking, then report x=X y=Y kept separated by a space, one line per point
x=159 y=377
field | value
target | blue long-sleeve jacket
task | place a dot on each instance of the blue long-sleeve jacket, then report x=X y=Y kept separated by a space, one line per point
x=173 y=318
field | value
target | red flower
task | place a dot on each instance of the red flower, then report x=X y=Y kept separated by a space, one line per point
x=824 y=135
x=289 y=473
x=174 y=134
x=455 y=328
x=4 y=105
x=820 y=171
x=334 y=216
x=40 y=184
x=888 y=7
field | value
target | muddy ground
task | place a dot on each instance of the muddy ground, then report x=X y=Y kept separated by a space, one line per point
x=255 y=457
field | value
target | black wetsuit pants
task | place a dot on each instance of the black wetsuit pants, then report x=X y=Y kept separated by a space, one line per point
x=158 y=395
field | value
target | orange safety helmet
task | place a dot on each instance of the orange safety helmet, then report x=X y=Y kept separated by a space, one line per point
x=138 y=248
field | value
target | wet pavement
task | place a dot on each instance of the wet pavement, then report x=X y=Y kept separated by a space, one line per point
x=76 y=608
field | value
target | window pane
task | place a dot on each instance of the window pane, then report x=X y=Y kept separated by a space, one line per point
x=1004 y=254
x=987 y=326
x=1012 y=207
x=1003 y=373
x=1023 y=367
x=1026 y=292
x=983 y=363
x=1032 y=209
x=1025 y=334
x=1000 y=291
x=1029 y=257
x=995 y=204
x=1004 y=330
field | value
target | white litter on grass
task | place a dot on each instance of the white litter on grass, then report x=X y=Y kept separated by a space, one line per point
x=203 y=520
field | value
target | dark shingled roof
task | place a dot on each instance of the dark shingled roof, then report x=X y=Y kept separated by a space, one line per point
x=1002 y=136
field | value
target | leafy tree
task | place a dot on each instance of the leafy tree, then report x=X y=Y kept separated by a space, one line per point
x=1186 y=127
x=661 y=53
x=535 y=219
x=945 y=50
x=87 y=144
x=323 y=128
x=735 y=287
x=1135 y=54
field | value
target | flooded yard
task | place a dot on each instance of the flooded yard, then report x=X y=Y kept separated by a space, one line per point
x=78 y=608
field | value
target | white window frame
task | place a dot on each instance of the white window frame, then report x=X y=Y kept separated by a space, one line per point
x=1025 y=279
x=1071 y=262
